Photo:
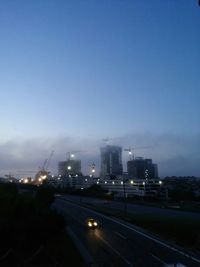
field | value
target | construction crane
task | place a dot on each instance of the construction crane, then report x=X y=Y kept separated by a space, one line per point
x=92 y=169
x=49 y=159
x=46 y=163
x=107 y=140
x=20 y=173
x=43 y=172
x=130 y=150
x=71 y=154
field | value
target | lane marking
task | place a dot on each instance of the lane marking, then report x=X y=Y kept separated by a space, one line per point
x=114 y=250
x=117 y=233
x=137 y=231
x=158 y=259
x=79 y=245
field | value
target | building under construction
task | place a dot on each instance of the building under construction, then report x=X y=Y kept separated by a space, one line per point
x=69 y=167
x=141 y=168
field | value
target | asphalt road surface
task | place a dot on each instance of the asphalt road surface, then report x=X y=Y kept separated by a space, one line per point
x=116 y=243
x=135 y=208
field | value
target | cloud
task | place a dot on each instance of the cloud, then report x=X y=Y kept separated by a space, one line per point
x=174 y=154
x=18 y=155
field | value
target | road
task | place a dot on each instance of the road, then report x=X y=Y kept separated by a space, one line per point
x=135 y=208
x=116 y=243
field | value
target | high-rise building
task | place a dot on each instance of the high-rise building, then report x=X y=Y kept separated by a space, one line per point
x=142 y=168
x=111 y=160
x=69 y=167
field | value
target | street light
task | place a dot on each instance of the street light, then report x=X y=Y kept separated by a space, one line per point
x=92 y=169
x=144 y=189
x=124 y=190
x=81 y=194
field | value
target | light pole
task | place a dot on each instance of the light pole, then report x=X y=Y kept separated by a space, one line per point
x=92 y=169
x=81 y=194
x=125 y=202
x=144 y=190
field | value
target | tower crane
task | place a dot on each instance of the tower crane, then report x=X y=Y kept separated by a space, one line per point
x=49 y=159
x=71 y=154
x=107 y=140
x=130 y=150
x=43 y=173
x=46 y=163
x=92 y=168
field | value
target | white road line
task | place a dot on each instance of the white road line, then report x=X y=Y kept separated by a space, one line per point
x=158 y=259
x=117 y=233
x=114 y=250
x=139 y=232
x=82 y=249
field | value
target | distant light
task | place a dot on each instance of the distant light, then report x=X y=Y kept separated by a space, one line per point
x=59 y=175
x=160 y=182
x=97 y=182
x=131 y=182
x=143 y=183
x=58 y=178
x=86 y=180
x=72 y=155
x=93 y=170
x=105 y=182
x=113 y=182
x=121 y=182
x=90 y=175
x=26 y=181
x=81 y=188
x=130 y=153
x=76 y=175
x=39 y=179
x=70 y=176
x=69 y=167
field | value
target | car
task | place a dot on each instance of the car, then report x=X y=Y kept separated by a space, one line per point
x=91 y=223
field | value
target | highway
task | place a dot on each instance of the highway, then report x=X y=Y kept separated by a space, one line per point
x=135 y=208
x=116 y=243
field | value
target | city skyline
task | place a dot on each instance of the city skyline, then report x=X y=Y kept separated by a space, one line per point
x=74 y=72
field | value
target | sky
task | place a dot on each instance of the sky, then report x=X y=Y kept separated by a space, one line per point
x=73 y=72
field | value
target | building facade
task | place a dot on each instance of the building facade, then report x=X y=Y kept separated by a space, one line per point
x=141 y=168
x=111 y=160
x=69 y=167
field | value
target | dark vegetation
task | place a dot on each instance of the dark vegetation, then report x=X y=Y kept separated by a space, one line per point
x=32 y=234
x=92 y=191
x=183 y=188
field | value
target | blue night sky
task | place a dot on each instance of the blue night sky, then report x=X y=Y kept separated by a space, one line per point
x=76 y=71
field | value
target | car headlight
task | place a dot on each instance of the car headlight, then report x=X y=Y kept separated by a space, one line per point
x=90 y=224
x=95 y=224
